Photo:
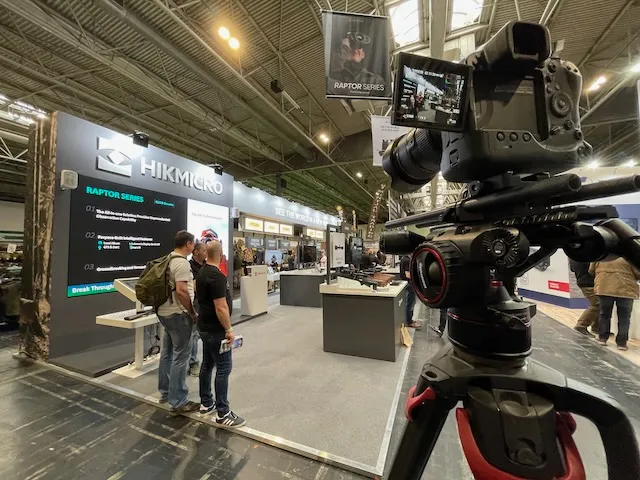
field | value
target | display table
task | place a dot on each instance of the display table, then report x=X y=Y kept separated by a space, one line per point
x=273 y=281
x=363 y=323
x=300 y=288
x=116 y=319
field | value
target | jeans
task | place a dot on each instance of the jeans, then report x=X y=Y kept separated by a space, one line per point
x=443 y=319
x=589 y=317
x=174 y=358
x=625 y=305
x=211 y=357
x=411 y=301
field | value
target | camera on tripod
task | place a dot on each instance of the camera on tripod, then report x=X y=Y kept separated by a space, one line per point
x=511 y=106
x=507 y=122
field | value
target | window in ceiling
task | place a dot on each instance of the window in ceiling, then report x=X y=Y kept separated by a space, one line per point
x=405 y=22
x=465 y=12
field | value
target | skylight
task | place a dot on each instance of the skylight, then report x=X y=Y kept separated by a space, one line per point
x=405 y=22
x=465 y=12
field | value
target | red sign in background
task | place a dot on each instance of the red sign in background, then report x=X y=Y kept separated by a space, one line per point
x=559 y=286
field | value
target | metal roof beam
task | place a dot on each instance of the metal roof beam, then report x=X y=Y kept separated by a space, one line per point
x=606 y=32
x=286 y=120
x=550 y=11
x=61 y=28
x=437 y=27
x=92 y=96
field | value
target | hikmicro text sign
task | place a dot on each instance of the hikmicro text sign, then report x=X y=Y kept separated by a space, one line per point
x=114 y=155
x=558 y=286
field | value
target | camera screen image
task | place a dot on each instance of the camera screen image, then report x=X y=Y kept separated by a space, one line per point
x=430 y=93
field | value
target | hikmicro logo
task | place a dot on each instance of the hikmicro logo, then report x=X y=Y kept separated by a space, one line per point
x=111 y=159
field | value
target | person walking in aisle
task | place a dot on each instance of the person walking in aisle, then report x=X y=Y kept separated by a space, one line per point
x=615 y=282
x=410 y=296
x=443 y=323
x=197 y=260
x=214 y=324
x=177 y=316
x=590 y=316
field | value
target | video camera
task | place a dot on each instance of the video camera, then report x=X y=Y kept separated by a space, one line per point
x=358 y=40
x=507 y=122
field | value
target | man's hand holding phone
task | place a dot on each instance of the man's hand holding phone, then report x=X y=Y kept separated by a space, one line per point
x=230 y=336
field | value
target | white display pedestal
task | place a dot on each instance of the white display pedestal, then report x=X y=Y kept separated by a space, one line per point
x=253 y=291
x=139 y=366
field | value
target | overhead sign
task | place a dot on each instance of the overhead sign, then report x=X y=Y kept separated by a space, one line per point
x=271 y=227
x=382 y=135
x=253 y=224
x=284 y=244
x=114 y=155
x=356 y=55
x=254 y=242
x=255 y=202
x=272 y=244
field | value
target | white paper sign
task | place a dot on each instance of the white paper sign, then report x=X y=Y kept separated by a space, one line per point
x=383 y=134
x=11 y=248
x=337 y=247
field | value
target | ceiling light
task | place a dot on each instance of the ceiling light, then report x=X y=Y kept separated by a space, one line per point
x=597 y=83
x=359 y=174
x=324 y=137
x=636 y=68
x=593 y=164
x=629 y=163
x=224 y=33
x=234 y=43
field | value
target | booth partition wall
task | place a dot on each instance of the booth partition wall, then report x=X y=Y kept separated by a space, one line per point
x=129 y=203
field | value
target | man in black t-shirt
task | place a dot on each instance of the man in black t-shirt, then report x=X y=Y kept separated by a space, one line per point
x=410 y=299
x=214 y=325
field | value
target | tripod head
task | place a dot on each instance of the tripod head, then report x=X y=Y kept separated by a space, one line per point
x=515 y=422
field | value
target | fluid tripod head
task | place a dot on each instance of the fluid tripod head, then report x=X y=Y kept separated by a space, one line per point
x=475 y=250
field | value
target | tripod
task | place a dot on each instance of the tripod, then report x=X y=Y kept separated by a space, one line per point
x=515 y=422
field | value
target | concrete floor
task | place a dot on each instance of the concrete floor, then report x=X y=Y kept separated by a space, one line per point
x=55 y=427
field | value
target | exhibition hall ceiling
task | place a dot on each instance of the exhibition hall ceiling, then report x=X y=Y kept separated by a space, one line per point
x=169 y=68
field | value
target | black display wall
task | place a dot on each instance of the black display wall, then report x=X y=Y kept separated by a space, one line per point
x=148 y=181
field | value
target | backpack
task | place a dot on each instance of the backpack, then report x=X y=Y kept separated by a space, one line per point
x=153 y=287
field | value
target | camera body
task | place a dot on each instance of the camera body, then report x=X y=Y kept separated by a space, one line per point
x=520 y=111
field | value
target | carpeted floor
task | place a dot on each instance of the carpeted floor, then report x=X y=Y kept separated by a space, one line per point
x=285 y=385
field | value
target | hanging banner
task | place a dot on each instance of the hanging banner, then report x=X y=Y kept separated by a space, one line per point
x=356 y=55
x=383 y=134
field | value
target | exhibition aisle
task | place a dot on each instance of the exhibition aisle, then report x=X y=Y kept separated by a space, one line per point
x=286 y=386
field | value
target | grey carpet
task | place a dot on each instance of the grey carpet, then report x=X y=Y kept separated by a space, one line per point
x=284 y=384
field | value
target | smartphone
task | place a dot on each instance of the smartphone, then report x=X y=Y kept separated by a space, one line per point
x=225 y=346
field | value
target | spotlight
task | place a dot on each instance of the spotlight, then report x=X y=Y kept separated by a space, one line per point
x=217 y=168
x=224 y=33
x=597 y=83
x=629 y=163
x=593 y=164
x=234 y=43
x=324 y=137
x=141 y=139
x=636 y=67
x=359 y=174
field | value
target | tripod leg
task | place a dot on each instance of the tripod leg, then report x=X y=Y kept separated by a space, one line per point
x=426 y=414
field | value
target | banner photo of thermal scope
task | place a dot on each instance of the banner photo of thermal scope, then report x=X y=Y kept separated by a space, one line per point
x=430 y=93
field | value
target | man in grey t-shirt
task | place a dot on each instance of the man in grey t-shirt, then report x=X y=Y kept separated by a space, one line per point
x=177 y=316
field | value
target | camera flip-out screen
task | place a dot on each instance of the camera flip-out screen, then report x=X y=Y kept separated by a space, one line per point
x=430 y=93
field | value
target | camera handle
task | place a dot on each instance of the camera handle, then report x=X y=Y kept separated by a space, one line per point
x=531 y=406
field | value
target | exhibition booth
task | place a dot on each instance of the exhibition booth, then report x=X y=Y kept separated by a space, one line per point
x=117 y=205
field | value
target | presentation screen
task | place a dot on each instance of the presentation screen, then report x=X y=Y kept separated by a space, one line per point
x=116 y=229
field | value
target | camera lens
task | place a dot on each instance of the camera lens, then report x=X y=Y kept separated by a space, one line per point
x=413 y=159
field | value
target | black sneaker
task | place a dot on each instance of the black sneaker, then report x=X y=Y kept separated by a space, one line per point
x=204 y=410
x=230 y=420
x=583 y=331
x=186 y=408
x=163 y=400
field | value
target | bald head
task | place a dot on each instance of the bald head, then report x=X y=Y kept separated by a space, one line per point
x=214 y=251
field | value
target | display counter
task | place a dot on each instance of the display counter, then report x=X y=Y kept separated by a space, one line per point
x=300 y=288
x=363 y=322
